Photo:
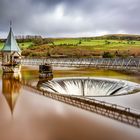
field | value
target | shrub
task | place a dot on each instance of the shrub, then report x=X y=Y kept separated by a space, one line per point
x=107 y=55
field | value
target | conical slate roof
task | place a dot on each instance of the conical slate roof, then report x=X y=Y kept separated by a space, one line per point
x=11 y=43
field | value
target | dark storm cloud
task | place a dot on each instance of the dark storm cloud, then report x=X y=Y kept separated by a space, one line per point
x=70 y=17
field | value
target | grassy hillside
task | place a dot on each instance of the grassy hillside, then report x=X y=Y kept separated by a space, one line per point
x=120 y=37
x=122 y=45
x=1 y=45
x=82 y=47
x=102 y=45
x=24 y=45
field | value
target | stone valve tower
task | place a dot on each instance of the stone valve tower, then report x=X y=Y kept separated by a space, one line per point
x=11 y=54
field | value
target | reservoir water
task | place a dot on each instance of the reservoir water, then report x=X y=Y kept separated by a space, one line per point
x=28 y=116
x=11 y=83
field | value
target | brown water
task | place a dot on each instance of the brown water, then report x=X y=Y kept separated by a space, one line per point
x=11 y=83
x=91 y=72
x=27 y=116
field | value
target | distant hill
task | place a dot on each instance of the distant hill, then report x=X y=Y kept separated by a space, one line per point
x=104 y=37
x=119 y=37
x=127 y=37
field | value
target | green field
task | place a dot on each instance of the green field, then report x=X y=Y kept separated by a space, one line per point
x=101 y=45
x=98 y=44
x=22 y=45
x=79 y=47
x=1 y=45
x=25 y=45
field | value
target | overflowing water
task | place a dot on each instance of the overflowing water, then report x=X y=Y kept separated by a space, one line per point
x=90 y=86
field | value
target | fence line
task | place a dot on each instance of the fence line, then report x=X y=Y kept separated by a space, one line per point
x=123 y=114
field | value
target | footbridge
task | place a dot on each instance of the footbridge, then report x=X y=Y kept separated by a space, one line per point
x=115 y=63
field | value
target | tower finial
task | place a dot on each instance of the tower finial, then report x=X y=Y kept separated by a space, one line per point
x=10 y=24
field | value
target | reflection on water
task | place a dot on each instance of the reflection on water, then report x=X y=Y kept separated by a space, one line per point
x=92 y=72
x=11 y=84
x=45 y=119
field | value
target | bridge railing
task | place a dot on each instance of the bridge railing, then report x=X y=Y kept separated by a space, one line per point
x=117 y=63
x=120 y=113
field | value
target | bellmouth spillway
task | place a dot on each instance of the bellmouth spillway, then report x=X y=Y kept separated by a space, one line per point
x=85 y=86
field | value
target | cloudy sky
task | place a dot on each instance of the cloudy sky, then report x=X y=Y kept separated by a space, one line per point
x=70 y=18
